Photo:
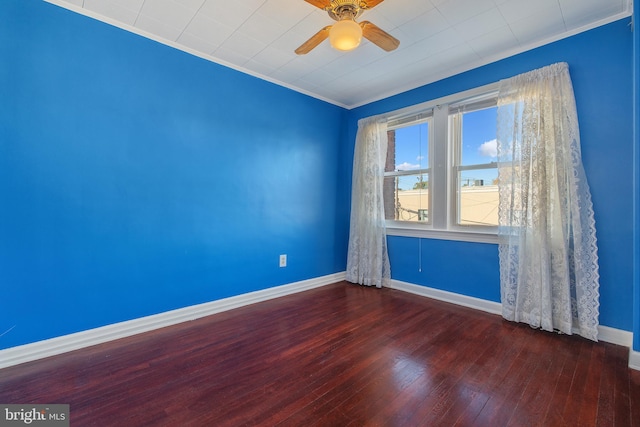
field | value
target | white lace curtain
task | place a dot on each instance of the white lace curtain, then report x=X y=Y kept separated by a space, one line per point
x=548 y=254
x=368 y=260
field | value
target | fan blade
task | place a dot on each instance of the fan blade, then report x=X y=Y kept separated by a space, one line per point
x=314 y=41
x=370 y=4
x=378 y=36
x=321 y=4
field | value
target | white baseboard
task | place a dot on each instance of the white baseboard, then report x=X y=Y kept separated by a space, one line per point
x=634 y=359
x=458 y=299
x=615 y=336
x=51 y=347
x=605 y=333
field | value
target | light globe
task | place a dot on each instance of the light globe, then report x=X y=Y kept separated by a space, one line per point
x=345 y=35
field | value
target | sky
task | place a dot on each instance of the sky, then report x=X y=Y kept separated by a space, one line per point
x=478 y=147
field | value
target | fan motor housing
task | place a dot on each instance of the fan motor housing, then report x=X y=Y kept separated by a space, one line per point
x=346 y=9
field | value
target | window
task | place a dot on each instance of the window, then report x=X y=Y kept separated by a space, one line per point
x=406 y=182
x=475 y=171
x=441 y=172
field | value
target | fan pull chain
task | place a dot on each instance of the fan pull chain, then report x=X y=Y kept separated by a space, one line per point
x=419 y=255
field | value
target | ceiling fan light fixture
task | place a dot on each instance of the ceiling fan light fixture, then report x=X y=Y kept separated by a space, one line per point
x=345 y=35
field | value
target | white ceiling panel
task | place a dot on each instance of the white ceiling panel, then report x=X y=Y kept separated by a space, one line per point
x=274 y=58
x=514 y=10
x=292 y=72
x=285 y=12
x=457 y=11
x=232 y=13
x=481 y=24
x=196 y=43
x=438 y=38
x=396 y=11
x=263 y=28
x=113 y=9
x=492 y=44
x=537 y=26
x=230 y=56
x=243 y=44
x=422 y=26
x=581 y=12
x=192 y=4
x=209 y=30
x=131 y=4
x=158 y=28
x=169 y=12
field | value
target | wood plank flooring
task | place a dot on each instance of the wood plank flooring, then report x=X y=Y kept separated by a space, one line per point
x=340 y=355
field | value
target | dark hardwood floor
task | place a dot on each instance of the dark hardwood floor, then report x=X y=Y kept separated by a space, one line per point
x=340 y=355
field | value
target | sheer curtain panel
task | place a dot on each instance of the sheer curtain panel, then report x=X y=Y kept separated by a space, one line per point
x=367 y=259
x=547 y=241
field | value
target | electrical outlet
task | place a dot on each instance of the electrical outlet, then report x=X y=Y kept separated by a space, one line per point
x=283 y=260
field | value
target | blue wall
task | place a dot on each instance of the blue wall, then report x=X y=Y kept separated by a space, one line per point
x=601 y=70
x=135 y=178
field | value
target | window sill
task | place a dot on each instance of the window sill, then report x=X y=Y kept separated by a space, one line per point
x=428 y=233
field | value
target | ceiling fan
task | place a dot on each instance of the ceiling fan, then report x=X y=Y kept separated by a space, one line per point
x=346 y=34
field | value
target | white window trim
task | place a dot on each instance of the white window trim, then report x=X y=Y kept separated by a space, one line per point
x=455 y=156
x=402 y=229
x=442 y=226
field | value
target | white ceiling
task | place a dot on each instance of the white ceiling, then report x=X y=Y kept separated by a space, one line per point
x=438 y=38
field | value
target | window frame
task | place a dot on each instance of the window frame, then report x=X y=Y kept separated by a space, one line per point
x=423 y=117
x=455 y=146
x=442 y=168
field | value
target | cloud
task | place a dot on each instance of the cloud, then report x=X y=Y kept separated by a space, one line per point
x=420 y=158
x=489 y=149
x=406 y=166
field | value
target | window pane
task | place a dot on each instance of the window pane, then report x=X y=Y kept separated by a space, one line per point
x=479 y=137
x=478 y=197
x=406 y=198
x=408 y=148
